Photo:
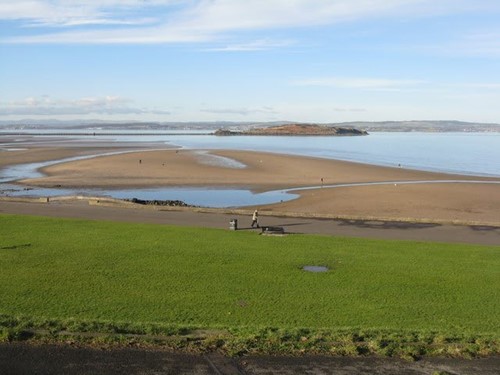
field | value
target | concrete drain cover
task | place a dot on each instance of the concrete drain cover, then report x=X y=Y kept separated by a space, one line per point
x=315 y=268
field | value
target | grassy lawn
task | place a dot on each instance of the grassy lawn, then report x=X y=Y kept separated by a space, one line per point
x=134 y=274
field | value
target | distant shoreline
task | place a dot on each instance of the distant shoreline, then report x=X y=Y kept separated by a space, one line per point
x=92 y=134
x=16 y=127
x=187 y=133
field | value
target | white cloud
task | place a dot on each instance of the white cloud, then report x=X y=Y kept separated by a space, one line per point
x=480 y=44
x=240 y=111
x=223 y=15
x=339 y=109
x=360 y=83
x=471 y=43
x=487 y=86
x=93 y=21
x=75 y=12
x=46 y=106
x=201 y=20
x=151 y=35
x=257 y=45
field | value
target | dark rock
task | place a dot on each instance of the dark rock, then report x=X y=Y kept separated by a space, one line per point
x=156 y=202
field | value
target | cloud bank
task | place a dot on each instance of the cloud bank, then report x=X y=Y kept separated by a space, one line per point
x=46 y=106
x=360 y=83
x=177 y=21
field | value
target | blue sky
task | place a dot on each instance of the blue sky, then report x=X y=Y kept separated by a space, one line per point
x=250 y=60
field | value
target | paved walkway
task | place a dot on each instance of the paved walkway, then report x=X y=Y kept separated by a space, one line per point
x=20 y=358
x=472 y=234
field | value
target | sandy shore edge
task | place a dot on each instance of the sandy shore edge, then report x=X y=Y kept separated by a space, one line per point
x=449 y=203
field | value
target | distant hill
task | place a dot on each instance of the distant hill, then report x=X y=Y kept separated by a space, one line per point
x=369 y=126
x=423 y=126
x=295 y=129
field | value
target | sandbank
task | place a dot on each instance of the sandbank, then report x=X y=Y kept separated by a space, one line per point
x=263 y=171
x=33 y=155
x=441 y=202
x=23 y=155
x=463 y=202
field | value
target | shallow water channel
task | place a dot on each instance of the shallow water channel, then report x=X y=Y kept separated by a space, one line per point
x=198 y=196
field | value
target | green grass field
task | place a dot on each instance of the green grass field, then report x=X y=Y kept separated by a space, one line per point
x=138 y=275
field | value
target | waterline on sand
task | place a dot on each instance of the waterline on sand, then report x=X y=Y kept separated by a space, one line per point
x=206 y=196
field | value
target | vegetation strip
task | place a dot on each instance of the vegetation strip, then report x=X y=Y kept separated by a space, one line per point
x=273 y=341
x=205 y=289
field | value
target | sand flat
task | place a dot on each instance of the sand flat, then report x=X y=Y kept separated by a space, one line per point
x=447 y=202
x=264 y=171
x=33 y=155
x=470 y=202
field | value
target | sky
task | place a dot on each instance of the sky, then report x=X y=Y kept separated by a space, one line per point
x=320 y=61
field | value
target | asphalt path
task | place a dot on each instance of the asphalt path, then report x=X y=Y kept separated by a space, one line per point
x=377 y=229
x=20 y=358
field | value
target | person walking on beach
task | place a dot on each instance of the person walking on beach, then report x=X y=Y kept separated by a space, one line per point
x=255 y=219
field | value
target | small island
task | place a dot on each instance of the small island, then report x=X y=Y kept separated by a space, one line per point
x=296 y=129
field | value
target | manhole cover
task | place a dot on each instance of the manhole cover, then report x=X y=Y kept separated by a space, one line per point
x=315 y=268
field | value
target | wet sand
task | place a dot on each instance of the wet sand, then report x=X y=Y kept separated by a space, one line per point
x=449 y=202
x=263 y=171
x=443 y=202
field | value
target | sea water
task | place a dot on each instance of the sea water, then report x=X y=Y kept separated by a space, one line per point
x=462 y=153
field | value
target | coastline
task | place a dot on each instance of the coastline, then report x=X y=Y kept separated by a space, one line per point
x=260 y=171
x=450 y=202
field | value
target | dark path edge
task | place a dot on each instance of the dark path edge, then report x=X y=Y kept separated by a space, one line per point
x=22 y=358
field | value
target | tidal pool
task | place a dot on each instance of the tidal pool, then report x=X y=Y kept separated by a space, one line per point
x=205 y=197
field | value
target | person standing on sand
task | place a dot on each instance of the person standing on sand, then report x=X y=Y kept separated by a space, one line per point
x=255 y=219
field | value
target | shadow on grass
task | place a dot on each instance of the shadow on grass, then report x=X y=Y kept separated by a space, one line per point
x=15 y=247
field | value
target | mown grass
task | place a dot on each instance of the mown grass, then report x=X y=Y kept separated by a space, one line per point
x=95 y=276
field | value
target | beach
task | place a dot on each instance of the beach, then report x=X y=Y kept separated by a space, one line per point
x=263 y=171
